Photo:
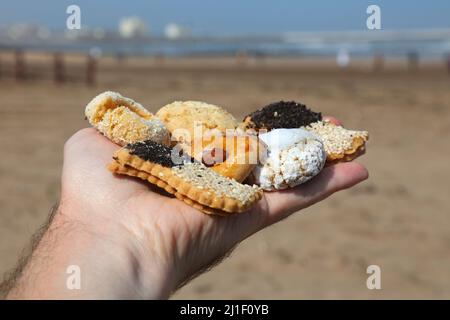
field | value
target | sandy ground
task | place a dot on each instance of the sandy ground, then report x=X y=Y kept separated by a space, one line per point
x=399 y=219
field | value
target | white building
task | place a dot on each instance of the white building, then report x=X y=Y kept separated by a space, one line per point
x=175 y=31
x=132 y=27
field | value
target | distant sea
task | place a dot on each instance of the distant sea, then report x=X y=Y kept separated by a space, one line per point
x=277 y=46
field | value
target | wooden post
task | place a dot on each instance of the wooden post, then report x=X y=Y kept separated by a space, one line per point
x=120 y=58
x=413 y=60
x=19 y=65
x=160 y=59
x=378 y=62
x=261 y=59
x=0 y=65
x=91 y=70
x=241 y=58
x=58 y=68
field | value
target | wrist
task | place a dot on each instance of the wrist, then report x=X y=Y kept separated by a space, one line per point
x=117 y=257
x=80 y=258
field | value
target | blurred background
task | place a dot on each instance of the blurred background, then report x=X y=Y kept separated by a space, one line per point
x=393 y=82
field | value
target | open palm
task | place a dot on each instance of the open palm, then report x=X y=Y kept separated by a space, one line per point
x=182 y=238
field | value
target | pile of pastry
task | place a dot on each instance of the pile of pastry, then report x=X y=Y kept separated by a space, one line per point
x=202 y=155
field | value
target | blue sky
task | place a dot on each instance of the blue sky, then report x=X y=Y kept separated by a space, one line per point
x=233 y=17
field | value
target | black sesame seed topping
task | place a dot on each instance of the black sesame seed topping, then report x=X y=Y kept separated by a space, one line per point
x=153 y=152
x=283 y=115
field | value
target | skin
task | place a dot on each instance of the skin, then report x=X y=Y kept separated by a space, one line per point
x=131 y=242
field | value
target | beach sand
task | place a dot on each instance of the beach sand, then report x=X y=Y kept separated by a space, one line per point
x=399 y=219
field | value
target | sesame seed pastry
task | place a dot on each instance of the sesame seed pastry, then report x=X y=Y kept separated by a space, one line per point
x=123 y=120
x=340 y=144
x=186 y=178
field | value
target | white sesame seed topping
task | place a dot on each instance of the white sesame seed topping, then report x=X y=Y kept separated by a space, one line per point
x=336 y=139
x=204 y=178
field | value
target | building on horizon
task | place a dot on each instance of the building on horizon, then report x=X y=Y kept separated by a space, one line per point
x=175 y=31
x=133 y=27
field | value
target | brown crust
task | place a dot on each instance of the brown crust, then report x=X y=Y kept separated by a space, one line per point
x=203 y=197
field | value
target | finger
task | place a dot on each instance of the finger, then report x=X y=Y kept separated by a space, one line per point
x=86 y=155
x=89 y=145
x=332 y=179
x=333 y=120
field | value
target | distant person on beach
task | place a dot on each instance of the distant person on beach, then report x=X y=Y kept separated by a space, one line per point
x=343 y=58
x=111 y=239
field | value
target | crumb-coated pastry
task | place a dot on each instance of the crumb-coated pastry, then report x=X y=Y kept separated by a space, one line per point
x=281 y=115
x=195 y=116
x=294 y=156
x=340 y=144
x=123 y=120
x=188 y=180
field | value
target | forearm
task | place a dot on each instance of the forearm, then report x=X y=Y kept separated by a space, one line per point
x=75 y=261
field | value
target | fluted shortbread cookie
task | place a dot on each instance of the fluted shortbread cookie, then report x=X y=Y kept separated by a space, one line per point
x=294 y=157
x=123 y=120
x=190 y=180
x=281 y=115
x=340 y=144
x=115 y=167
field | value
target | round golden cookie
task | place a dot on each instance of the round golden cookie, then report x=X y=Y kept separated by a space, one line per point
x=186 y=120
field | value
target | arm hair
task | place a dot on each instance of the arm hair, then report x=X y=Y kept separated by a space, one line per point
x=11 y=278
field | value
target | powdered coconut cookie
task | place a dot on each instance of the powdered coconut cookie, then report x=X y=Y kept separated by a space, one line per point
x=340 y=144
x=123 y=120
x=294 y=157
x=189 y=181
x=186 y=114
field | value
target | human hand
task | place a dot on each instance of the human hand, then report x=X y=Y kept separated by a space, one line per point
x=134 y=242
